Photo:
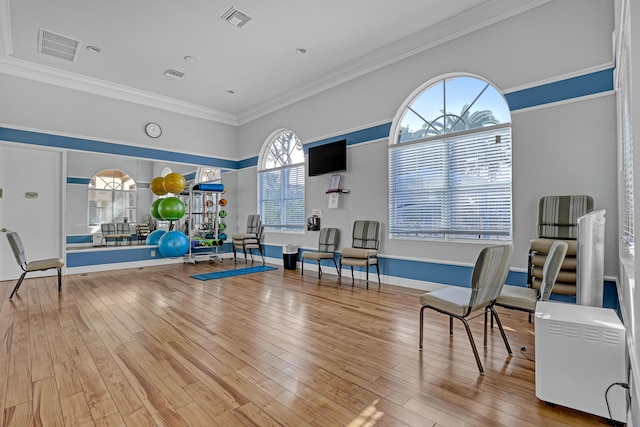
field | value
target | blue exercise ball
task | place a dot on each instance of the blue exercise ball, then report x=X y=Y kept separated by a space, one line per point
x=154 y=236
x=173 y=244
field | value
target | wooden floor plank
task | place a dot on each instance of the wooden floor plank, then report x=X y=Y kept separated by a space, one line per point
x=153 y=347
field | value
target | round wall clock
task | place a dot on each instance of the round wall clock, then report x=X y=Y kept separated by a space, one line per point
x=153 y=130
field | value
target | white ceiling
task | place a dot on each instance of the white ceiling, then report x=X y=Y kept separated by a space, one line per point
x=140 y=39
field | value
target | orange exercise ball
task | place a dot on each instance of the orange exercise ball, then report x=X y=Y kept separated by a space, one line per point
x=157 y=186
x=174 y=183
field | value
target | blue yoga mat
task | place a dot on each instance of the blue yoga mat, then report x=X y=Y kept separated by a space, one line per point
x=230 y=273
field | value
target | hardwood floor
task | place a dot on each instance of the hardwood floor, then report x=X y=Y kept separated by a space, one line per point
x=153 y=346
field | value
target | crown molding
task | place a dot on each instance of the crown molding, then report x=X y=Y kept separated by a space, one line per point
x=74 y=81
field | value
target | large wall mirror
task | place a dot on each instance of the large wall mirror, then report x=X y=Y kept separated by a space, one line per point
x=108 y=188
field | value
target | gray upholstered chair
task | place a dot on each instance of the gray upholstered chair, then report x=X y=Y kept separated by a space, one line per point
x=489 y=273
x=28 y=266
x=328 y=242
x=108 y=232
x=525 y=299
x=557 y=220
x=254 y=228
x=254 y=243
x=364 y=249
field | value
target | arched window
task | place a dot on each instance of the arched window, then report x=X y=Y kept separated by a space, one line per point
x=112 y=197
x=281 y=182
x=450 y=163
x=207 y=174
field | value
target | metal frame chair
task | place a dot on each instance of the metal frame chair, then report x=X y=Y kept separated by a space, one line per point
x=488 y=277
x=328 y=242
x=364 y=249
x=39 y=265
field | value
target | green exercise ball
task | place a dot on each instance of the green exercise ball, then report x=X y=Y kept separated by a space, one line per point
x=154 y=209
x=171 y=208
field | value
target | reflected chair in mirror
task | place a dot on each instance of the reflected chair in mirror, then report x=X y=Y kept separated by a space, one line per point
x=108 y=232
x=123 y=231
x=557 y=220
x=363 y=251
x=238 y=240
x=28 y=266
x=524 y=298
x=328 y=242
x=487 y=279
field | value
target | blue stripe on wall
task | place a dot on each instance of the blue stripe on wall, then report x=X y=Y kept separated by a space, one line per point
x=575 y=87
x=80 y=239
x=76 y=180
x=356 y=137
x=47 y=140
x=248 y=163
x=87 y=257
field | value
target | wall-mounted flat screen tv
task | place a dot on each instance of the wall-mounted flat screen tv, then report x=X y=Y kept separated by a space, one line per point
x=328 y=158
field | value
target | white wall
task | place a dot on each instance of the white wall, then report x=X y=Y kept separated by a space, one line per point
x=558 y=149
x=36 y=220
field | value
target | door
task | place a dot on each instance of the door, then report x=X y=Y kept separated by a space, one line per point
x=30 y=204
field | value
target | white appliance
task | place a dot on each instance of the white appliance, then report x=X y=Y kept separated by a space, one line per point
x=590 y=269
x=580 y=351
x=97 y=238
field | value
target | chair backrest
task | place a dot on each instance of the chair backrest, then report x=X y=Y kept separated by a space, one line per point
x=108 y=228
x=123 y=228
x=551 y=268
x=489 y=274
x=328 y=240
x=253 y=223
x=558 y=215
x=17 y=247
x=366 y=234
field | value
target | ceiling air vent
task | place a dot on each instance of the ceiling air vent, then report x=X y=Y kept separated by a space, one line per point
x=57 y=45
x=174 y=74
x=234 y=17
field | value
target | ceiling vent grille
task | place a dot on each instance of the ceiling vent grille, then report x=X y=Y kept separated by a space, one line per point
x=174 y=74
x=63 y=47
x=234 y=17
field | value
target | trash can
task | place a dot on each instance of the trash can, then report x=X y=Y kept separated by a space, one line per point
x=289 y=256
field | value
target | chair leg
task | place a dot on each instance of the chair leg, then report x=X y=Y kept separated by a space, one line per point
x=353 y=279
x=319 y=269
x=378 y=271
x=499 y=323
x=336 y=264
x=421 y=324
x=59 y=280
x=473 y=345
x=18 y=284
x=302 y=266
x=450 y=325
x=367 y=274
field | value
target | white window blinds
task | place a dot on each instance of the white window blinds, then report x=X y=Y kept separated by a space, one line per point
x=281 y=198
x=456 y=186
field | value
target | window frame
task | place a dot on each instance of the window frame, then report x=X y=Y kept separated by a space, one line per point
x=128 y=208
x=284 y=200
x=395 y=144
